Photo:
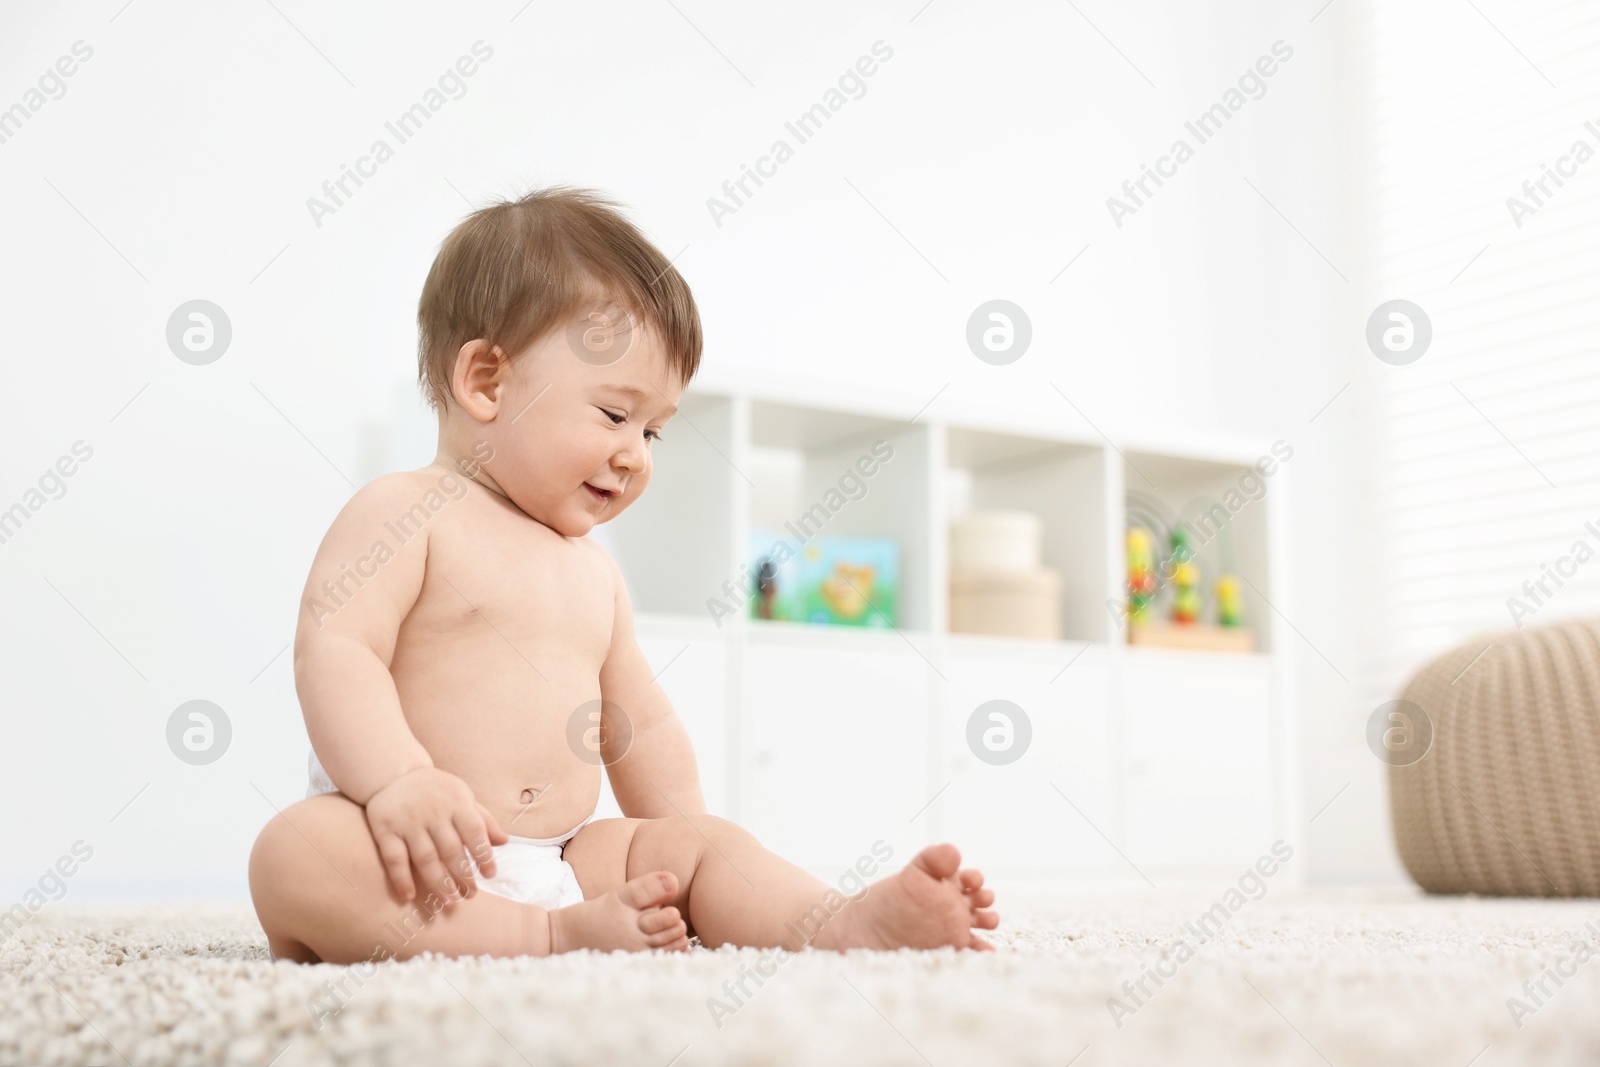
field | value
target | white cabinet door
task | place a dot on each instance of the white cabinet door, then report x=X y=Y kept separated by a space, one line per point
x=836 y=746
x=1045 y=812
x=1199 y=781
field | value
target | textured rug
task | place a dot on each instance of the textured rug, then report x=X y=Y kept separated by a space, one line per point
x=1342 y=977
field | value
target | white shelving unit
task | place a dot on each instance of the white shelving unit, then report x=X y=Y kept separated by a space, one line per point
x=1144 y=763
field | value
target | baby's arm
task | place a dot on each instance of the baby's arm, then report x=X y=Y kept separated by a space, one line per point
x=343 y=646
x=657 y=776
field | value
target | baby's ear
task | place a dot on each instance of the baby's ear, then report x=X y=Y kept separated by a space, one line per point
x=478 y=379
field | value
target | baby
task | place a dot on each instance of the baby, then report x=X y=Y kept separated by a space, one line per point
x=466 y=661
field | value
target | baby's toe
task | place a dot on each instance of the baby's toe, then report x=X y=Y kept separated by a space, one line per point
x=981 y=898
x=657 y=887
x=971 y=878
x=940 y=861
x=675 y=940
x=980 y=945
x=985 y=920
x=659 y=919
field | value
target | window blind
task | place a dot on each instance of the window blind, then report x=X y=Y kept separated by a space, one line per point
x=1484 y=173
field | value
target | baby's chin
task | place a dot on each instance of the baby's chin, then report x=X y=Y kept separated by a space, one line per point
x=569 y=525
x=561 y=516
x=579 y=527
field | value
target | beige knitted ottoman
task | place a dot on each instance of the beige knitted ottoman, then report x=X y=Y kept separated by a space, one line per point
x=1506 y=799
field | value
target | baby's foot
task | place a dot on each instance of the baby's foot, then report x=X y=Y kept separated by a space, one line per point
x=634 y=918
x=930 y=903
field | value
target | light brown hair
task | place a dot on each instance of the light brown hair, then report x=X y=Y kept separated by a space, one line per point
x=516 y=269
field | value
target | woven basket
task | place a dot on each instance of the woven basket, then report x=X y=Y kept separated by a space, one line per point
x=1506 y=802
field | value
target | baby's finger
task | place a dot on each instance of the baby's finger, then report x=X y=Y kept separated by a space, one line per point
x=474 y=835
x=497 y=836
x=425 y=856
x=397 y=862
x=453 y=854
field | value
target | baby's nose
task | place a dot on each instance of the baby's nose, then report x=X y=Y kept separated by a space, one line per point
x=633 y=458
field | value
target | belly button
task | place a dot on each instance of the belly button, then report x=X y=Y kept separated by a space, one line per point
x=530 y=795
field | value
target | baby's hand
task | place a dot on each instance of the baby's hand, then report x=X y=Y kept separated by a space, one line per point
x=429 y=818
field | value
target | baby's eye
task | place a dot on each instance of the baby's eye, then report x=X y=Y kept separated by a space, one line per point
x=649 y=435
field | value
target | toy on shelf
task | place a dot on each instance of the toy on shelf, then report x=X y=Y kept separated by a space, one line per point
x=1185 y=580
x=1230 y=608
x=839 y=581
x=766 y=587
x=847 y=592
x=1141 y=574
x=1175 y=618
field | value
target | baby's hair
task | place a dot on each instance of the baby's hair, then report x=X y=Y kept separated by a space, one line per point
x=512 y=271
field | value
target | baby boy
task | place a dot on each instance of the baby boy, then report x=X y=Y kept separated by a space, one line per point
x=466 y=661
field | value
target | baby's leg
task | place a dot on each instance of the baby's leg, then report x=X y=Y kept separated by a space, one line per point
x=734 y=891
x=321 y=893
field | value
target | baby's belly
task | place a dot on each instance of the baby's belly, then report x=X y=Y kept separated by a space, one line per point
x=486 y=715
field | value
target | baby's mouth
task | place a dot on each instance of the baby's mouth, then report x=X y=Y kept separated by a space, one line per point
x=599 y=494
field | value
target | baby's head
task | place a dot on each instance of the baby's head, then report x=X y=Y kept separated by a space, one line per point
x=555 y=342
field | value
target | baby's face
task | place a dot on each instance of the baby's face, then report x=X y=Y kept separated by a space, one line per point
x=574 y=433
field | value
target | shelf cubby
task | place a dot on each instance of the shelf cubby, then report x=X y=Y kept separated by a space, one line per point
x=806 y=475
x=1066 y=484
x=1223 y=506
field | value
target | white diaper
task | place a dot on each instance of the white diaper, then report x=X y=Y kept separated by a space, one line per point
x=529 y=870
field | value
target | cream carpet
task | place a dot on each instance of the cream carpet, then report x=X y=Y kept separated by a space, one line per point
x=1343 y=977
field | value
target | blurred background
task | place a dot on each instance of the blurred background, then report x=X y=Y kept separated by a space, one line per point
x=1437 y=153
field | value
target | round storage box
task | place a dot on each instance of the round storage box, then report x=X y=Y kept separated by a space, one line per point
x=997 y=540
x=1006 y=603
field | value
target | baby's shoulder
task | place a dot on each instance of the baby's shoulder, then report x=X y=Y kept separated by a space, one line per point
x=403 y=485
x=593 y=553
x=401 y=495
x=596 y=556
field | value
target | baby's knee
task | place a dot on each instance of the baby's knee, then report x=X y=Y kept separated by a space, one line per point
x=268 y=854
x=702 y=827
x=271 y=875
x=299 y=837
x=309 y=874
x=306 y=820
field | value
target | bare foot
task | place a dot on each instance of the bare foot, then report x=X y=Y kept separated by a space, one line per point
x=929 y=903
x=634 y=918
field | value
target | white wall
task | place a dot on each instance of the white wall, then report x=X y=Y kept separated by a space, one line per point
x=177 y=166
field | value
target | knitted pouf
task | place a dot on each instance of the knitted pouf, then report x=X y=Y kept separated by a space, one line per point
x=1506 y=800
